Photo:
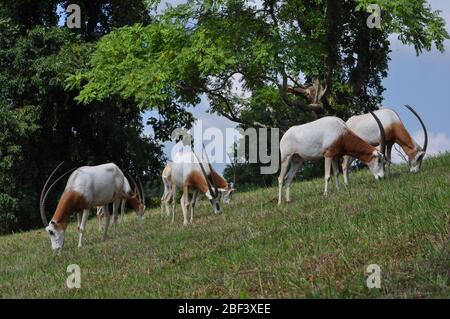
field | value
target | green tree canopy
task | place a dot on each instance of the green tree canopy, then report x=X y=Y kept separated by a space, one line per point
x=304 y=59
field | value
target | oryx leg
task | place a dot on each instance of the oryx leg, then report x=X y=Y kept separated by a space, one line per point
x=328 y=161
x=185 y=204
x=296 y=163
x=79 y=214
x=346 y=166
x=99 y=217
x=335 y=166
x=194 y=203
x=281 y=177
x=388 y=157
x=115 y=215
x=164 y=202
x=82 y=226
x=122 y=209
x=174 y=197
x=106 y=222
x=167 y=197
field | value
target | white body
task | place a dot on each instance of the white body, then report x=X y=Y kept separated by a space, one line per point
x=99 y=185
x=311 y=140
x=366 y=127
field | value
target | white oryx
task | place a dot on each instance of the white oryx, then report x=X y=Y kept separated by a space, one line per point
x=170 y=189
x=366 y=128
x=188 y=172
x=87 y=187
x=328 y=138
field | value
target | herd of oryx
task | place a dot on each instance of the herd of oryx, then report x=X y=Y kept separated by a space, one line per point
x=367 y=137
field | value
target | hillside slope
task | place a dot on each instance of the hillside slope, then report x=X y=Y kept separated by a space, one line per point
x=314 y=247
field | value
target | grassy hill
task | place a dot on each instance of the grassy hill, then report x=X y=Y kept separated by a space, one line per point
x=314 y=247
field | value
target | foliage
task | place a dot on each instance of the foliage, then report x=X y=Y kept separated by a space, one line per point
x=209 y=47
x=291 y=61
x=47 y=125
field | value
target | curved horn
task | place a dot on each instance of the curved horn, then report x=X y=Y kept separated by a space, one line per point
x=425 y=143
x=382 y=133
x=206 y=176
x=142 y=190
x=135 y=185
x=44 y=198
x=41 y=208
x=216 y=191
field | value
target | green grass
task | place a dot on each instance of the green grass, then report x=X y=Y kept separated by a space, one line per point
x=315 y=247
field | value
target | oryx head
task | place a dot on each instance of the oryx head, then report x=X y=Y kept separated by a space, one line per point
x=227 y=193
x=378 y=161
x=55 y=231
x=416 y=161
x=137 y=200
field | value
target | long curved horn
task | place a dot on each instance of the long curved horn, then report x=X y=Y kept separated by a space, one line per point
x=44 y=198
x=213 y=194
x=382 y=133
x=216 y=191
x=43 y=217
x=142 y=190
x=425 y=143
x=135 y=185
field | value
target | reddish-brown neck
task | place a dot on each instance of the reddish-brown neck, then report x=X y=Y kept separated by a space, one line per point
x=135 y=203
x=196 y=180
x=397 y=133
x=351 y=144
x=69 y=202
x=218 y=180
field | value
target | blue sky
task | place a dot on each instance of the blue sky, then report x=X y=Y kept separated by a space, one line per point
x=421 y=81
x=424 y=83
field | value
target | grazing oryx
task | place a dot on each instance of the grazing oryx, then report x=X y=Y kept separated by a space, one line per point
x=366 y=128
x=187 y=171
x=326 y=137
x=170 y=190
x=87 y=186
x=135 y=201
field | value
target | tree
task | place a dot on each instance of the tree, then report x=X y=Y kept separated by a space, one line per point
x=293 y=61
x=43 y=125
x=207 y=47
